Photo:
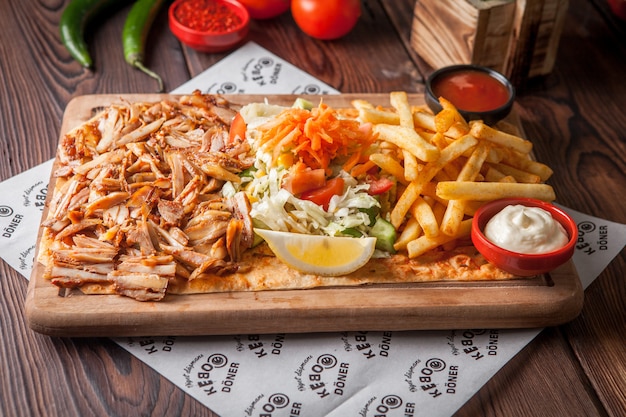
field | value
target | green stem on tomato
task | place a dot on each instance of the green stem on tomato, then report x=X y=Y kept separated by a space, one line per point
x=135 y=33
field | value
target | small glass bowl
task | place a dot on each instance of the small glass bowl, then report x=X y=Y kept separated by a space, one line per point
x=212 y=41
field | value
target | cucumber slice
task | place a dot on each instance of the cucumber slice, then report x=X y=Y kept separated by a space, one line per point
x=258 y=224
x=302 y=103
x=385 y=235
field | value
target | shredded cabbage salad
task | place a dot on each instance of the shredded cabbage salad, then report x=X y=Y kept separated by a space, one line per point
x=274 y=207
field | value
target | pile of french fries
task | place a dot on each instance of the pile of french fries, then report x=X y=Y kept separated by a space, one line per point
x=447 y=168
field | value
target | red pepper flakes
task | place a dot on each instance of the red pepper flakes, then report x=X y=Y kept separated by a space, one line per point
x=207 y=16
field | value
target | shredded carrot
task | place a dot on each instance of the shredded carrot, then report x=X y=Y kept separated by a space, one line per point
x=315 y=137
x=352 y=161
x=362 y=169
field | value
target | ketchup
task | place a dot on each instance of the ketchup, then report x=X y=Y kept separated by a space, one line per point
x=472 y=90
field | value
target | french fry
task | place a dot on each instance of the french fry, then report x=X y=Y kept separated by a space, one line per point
x=447 y=155
x=457 y=130
x=361 y=104
x=474 y=163
x=460 y=122
x=410 y=166
x=407 y=139
x=482 y=131
x=472 y=206
x=426 y=135
x=524 y=163
x=439 y=207
x=389 y=164
x=404 y=203
x=430 y=190
x=411 y=231
x=450 y=170
x=423 y=212
x=419 y=107
x=387 y=146
x=485 y=191
x=456 y=148
x=444 y=121
x=496 y=154
x=519 y=175
x=448 y=246
x=493 y=175
x=450 y=121
x=444 y=175
x=507 y=127
x=376 y=116
x=439 y=140
x=455 y=211
x=424 y=243
x=424 y=121
x=400 y=102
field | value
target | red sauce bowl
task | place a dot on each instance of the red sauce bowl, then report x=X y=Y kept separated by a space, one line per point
x=209 y=25
x=478 y=93
x=520 y=264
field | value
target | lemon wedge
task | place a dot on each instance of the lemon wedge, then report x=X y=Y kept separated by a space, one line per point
x=319 y=255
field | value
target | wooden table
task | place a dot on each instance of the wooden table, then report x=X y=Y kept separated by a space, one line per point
x=575 y=116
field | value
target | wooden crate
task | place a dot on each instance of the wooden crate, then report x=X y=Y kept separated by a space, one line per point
x=516 y=37
x=548 y=36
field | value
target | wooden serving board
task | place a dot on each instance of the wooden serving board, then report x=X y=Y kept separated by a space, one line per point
x=552 y=299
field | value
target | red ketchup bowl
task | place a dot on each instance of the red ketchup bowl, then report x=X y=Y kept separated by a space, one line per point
x=521 y=264
x=209 y=25
x=478 y=93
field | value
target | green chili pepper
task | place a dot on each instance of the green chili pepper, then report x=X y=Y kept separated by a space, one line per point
x=136 y=29
x=74 y=18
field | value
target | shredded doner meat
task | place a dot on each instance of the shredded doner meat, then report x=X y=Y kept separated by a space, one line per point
x=136 y=199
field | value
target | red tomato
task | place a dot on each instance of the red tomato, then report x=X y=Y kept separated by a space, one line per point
x=265 y=9
x=378 y=185
x=305 y=180
x=321 y=196
x=619 y=8
x=326 y=19
x=237 y=128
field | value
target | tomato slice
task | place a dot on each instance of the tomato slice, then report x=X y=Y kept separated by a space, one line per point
x=300 y=181
x=237 y=129
x=378 y=185
x=321 y=196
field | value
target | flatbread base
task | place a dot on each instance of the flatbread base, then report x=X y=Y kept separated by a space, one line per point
x=464 y=263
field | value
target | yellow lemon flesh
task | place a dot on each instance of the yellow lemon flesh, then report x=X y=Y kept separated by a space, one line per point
x=319 y=255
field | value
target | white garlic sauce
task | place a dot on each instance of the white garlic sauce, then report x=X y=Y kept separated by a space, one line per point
x=523 y=229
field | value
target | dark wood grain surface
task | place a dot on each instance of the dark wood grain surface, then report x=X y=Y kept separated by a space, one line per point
x=575 y=116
